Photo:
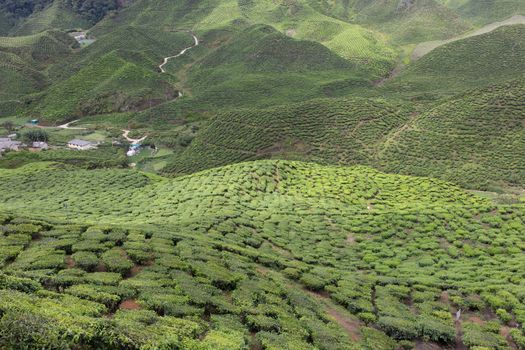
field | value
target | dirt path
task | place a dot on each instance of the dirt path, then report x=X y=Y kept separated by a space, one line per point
x=63 y=126
x=133 y=141
x=167 y=59
x=424 y=48
x=67 y=126
x=393 y=135
x=351 y=325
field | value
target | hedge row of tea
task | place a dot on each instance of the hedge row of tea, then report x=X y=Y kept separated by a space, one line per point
x=87 y=287
x=474 y=139
x=268 y=254
x=342 y=131
x=113 y=195
x=469 y=63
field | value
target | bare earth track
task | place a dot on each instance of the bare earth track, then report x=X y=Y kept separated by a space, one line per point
x=426 y=47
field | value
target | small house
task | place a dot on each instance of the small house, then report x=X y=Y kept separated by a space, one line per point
x=81 y=145
x=6 y=144
x=133 y=150
x=40 y=145
x=34 y=121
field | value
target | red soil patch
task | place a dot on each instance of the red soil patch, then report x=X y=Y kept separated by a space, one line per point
x=476 y=320
x=70 y=263
x=262 y=270
x=101 y=267
x=135 y=270
x=130 y=304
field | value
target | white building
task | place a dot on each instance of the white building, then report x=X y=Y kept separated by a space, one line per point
x=6 y=144
x=81 y=145
x=40 y=145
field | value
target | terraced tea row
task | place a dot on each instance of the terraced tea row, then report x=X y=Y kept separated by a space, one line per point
x=269 y=253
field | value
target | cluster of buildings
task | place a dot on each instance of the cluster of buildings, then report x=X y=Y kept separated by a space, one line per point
x=81 y=145
x=10 y=144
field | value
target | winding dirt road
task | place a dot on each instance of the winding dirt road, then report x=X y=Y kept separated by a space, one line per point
x=167 y=59
x=424 y=48
x=133 y=141
x=67 y=126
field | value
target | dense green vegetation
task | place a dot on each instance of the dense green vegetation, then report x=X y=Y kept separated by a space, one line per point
x=486 y=11
x=24 y=58
x=403 y=230
x=279 y=254
x=469 y=63
x=91 y=10
x=475 y=139
x=346 y=131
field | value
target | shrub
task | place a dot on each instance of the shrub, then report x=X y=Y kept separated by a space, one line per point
x=116 y=260
x=85 y=260
x=398 y=328
x=21 y=284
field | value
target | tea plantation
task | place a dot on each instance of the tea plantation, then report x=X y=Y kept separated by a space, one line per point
x=267 y=254
x=268 y=175
x=475 y=139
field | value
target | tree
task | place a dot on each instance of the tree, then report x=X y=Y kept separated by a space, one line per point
x=36 y=136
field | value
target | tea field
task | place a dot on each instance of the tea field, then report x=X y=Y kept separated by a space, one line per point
x=302 y=183
x=261 y=255
x=344 y=131
x=476 y=139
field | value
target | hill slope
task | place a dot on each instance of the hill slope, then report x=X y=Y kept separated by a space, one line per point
x=468 y=63
x=473 y=139
x=23 y=63
x=486 y=11
x=344 y=131
x=267 y=254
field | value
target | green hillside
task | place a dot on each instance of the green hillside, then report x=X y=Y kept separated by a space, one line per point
x=25 y=17
x=344 y=131
x=268 y=254
x=260 y=66
x=410 y=21
x=486 y=11
x=22 y=64
x=111 y=76
x=294 y=18
x=475 y=139
x=56 y=15
x=468 y=63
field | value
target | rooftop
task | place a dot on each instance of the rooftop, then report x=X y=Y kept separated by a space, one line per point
x=78 y=142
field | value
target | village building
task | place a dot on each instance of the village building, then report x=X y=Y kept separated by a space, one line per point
x=6 y=144
x=81 y=145
x=134 y=149
x=40 y=145
x=79 y=36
